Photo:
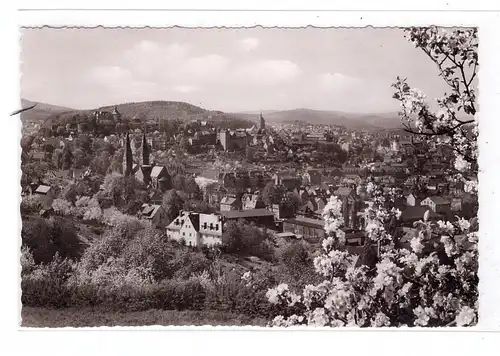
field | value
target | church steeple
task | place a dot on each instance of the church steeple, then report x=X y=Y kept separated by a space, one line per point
x=262 y=122
x=145 y=151
x=146 y=167
x=127 y=158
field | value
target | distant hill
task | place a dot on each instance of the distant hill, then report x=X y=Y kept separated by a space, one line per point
x=322 y=117
x=145 y=111
x=41 y=111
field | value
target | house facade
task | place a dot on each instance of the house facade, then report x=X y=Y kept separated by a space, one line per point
x=437 y=204
x=185 y=228
x=196 y=229
x=154 y=213
x=303 y=227
x=210 y=229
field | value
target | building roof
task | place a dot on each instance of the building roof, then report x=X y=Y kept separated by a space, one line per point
x=195 y=220
x=42 y=189
x=252 y=213
x=303 y=221
x=313 y=172
x=439 y=200
x=228 y=200
x=155 y=172
x=286 y=234
x=149 y=210
x=417 y=213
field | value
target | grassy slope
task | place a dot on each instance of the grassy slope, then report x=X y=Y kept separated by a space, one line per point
x=88 y=317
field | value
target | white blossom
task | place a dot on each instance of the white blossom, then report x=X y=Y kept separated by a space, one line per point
x=466 y=316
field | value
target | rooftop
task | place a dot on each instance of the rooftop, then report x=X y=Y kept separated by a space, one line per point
x=42 y=189
x=417 y=213
x=300 y=220
x=235 y=214
x=439 y=200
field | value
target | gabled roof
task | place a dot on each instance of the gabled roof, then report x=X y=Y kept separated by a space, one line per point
x=195 y=220
x=149 y=210
x=155 y=172
x=228 y=200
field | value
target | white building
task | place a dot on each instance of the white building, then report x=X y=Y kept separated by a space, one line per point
x=210 y=229
x=437 y=204
x=196 y=229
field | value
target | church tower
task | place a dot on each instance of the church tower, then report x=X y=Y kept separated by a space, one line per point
x=146 y=167
x=117 y=117
x=262 y=126
x=127 y=158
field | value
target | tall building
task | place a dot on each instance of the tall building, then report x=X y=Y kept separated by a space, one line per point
x=146 y=167
x=127 y=158
x=262 y=126
x=116 y=115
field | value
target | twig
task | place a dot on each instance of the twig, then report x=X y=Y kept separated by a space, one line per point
x=23 y=110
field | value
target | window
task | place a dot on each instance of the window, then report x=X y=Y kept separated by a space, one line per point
x=183 y=234
x=189 y=234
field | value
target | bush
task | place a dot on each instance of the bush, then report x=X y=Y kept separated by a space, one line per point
x=45 y=285
x=47 y=237
x=246 y=239
x=62 y=207
x=30 y=204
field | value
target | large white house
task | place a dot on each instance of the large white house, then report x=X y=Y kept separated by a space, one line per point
x=210 y=229
x=196 y=229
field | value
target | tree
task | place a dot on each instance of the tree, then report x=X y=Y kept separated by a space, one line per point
x=84 y=142
x=67 y=158
x=246 y=239
x=271 y=194
x=454 y=123
x=60 y=131
x=80 y=158
x=49 y=149
x=434 y=280
x=27 y=142
x=101 y=163
x=178 y=182
x=45 y=238
x=192 y=188
x=290 y=204
x=116 y=164
x=122 y=190
x=172 y=203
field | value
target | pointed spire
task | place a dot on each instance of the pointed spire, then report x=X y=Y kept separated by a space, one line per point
x=145 y=151
x=127 y=159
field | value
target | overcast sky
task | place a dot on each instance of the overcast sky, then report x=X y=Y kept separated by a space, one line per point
x=223 y=69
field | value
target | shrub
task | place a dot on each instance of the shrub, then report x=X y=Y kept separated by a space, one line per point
x=62 y=207
x=246 y=239
x=46 y=237
x=45 y=285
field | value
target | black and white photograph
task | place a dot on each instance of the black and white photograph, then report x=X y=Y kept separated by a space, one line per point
x=270 y=177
